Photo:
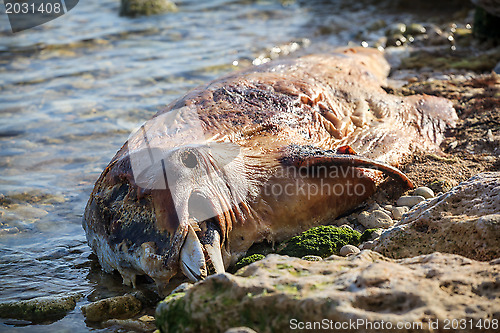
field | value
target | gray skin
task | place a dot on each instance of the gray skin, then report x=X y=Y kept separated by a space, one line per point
x=205 y=193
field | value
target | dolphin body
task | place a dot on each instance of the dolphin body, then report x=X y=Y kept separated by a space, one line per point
x=257 y=155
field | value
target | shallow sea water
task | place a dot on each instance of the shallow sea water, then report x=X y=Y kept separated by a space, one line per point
x=72 y=90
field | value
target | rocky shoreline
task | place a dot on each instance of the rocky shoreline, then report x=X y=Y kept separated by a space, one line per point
x=432 y=257
x=426 y=256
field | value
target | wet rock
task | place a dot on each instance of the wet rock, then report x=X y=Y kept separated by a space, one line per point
x=410 y=200
x=269 y=295
x=120 y=307
x=375 y=219
x=134 y=325
x=424 y=192
x=396 y=28
x=347 y=250
x=398 y=212
x=40 y=309
x=415 y=29
x=396 y=40
x=320 y=241
x=462 y=221
x=146 y=7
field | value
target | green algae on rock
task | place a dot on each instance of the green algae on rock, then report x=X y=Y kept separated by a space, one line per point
x=268 y=295
x=40 y=309
x=248 y=260
x=321 y=241
x=367 y=235
x=119 y=307
x=146 y=7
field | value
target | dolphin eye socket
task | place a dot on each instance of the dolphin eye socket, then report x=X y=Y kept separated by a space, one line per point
x=189 y=159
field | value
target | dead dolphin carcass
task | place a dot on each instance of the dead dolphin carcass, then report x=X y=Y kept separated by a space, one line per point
x=262 y=154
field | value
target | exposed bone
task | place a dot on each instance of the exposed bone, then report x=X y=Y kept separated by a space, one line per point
x=192 y=258
x=214 y=253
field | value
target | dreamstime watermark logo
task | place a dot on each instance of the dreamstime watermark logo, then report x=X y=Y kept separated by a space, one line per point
x=26 y=14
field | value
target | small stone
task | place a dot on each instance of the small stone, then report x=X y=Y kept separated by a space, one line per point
x=312 y=258
x=424 y=191
x=397 y=212
x=489 y=135
x=375 y=219
x=396 y=40
x=147 y=318
x=131 y=325
x=240 y=330
x=146 y=7
x=346 y=226
x=367 y=245
x=121 y=307
x=410 y=200
x=397 y=28
x=347 y=250
x=415 y=29
x=442 y=185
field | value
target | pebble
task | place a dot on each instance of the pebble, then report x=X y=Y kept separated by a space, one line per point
x=415 y=29
x=489 y=135
x=424 y=191
x=125 y=306
x=397 y=212
x=396 y=28
x=131 y=325
x=375 y=219
x=410 y=200
x=146 y=7
x=311 y=258
x=442 y=185
x=367 y=245
x=346 y=226
x=348 y=249
x=376 y=233
x=240 y=330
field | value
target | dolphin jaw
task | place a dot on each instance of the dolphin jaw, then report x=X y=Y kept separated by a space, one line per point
x=200 y=253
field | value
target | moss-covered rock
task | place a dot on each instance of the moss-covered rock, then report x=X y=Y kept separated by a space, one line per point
x=270 y=296
x=120 y=307
x=39 y=309
x=248 y=260
x=321 y=241
x=368 y=235
x=146 y=7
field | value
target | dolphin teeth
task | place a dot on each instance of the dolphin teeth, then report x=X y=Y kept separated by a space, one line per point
x=214 y=254
x=192 y=257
